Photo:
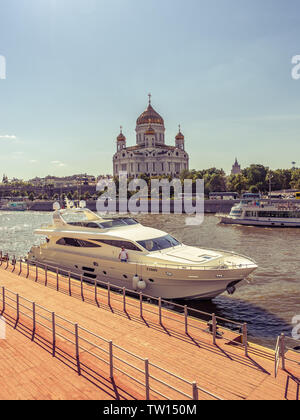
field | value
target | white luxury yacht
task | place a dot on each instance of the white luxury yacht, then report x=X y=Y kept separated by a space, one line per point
x=158 y=264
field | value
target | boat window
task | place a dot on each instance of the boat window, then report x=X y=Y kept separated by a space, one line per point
x=118 y=222
x=86 y=224
x=76 y=243
x=119 y=244
x=157 y=244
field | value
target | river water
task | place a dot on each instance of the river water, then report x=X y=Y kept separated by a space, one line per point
x=268 y=304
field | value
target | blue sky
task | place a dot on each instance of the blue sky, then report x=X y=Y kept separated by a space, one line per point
x=78 y=69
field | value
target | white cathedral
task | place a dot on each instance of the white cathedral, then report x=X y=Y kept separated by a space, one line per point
x=150 y=155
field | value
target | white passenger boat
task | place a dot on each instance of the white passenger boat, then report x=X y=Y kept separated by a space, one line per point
x=259 y=213
x=158 y=264
x=14 y=206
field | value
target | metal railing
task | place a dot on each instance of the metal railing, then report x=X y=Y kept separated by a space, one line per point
x=111 y=354
x=183 y=313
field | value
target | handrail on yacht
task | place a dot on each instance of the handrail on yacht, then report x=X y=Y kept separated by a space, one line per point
x=53 y=327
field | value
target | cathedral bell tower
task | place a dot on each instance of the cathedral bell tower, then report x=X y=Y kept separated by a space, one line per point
x=179 y=140
x=121 y=141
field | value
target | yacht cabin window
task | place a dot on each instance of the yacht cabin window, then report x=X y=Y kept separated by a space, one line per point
x=119 y=244
x=157 y=244
x=77 y=243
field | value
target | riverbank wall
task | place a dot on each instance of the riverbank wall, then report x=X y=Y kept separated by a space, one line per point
x=210 y=206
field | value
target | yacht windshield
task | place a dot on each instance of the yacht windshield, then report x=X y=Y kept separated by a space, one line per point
x=119 y=222
x=157 y=244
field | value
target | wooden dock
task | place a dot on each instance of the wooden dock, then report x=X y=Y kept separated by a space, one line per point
x=156 y=355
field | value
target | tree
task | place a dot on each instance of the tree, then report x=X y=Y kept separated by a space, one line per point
x=295 y=181
x=256 y=175
x=237 y=183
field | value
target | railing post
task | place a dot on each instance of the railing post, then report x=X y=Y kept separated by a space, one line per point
x=36 y=273
x=53 y=335
x=141 y=304
x=195 y=392
x=7 y=261
x=245 y=339
x=69 y=278
x=282 y=350
x=96 y=297
x=147 y=380
x=0 y=258
x=186 y=319
x=111 y=360
x=214 y=328
x=13 y=261
x=108 y=294
x=159 y=311
x=81 y=287
x=57 y=280
x=3 y=298
x=124 y=299
x=46 y=275
x=77 y=349
x=33 y=320
x=18 y=307
x=27 y=275
x=20 y=267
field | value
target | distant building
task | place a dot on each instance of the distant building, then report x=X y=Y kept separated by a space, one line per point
x=150 y=155
x=236 y=168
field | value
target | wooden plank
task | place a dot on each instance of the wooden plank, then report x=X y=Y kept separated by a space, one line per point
x=222 y=369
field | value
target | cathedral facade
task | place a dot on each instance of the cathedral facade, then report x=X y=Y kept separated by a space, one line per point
x=150 y=155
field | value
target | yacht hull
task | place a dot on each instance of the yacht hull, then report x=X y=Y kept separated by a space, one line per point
x=164 y=282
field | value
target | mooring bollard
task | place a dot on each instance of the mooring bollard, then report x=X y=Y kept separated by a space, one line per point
x=195 y=392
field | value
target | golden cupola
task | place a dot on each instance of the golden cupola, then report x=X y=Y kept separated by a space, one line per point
x=150 y=116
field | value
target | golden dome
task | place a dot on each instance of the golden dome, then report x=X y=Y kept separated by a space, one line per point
x=121 y=136
x=179 y=136
x=150 y=116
